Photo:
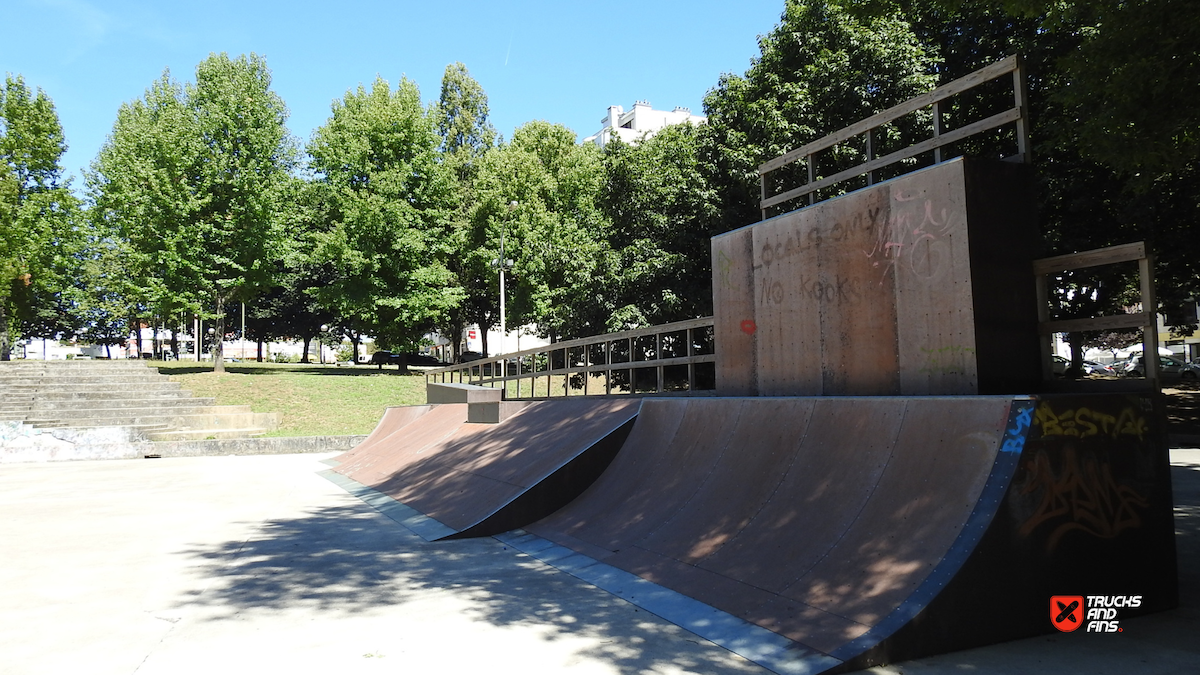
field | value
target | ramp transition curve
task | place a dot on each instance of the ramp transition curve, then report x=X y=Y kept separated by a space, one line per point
x=869 y=530
x=482 y=479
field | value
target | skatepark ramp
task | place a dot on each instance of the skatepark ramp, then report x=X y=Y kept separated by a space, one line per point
x=874 y=529
x=875 y=480
x=477 y=479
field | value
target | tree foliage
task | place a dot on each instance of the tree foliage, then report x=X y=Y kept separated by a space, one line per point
x=555 y=233
x=386 y=240
x=466 y=136
x=38 y=215
x=661 y=207
x=819 y=70
x=190 y=177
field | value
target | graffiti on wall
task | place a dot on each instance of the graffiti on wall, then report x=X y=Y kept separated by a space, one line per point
x=913 y=238
x=1084 y=423
x=948 y=360
x=724 y=266
x=1081 y=495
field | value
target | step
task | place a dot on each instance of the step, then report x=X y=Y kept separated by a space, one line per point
x=221 y=419
x=205 y=434
x=82 y=378
x=143 y=429
x=39 y=388
x=94 y=395
x=89 y=379
x=11 y=367
x=173 y=404
x=73 y=416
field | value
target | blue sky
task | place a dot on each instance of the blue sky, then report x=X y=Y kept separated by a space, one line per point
x=558 y=61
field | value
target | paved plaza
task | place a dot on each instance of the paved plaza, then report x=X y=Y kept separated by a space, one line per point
x=258 y=564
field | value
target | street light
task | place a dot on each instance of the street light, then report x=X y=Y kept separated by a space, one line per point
x=501 y=263
x=211 y=344
x=321 y=344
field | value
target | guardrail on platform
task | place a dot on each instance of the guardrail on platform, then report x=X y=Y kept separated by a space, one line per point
x=675 y=358
x=940 y=136
x=1145 y=319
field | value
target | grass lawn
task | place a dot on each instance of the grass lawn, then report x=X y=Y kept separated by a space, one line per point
x=312 y=400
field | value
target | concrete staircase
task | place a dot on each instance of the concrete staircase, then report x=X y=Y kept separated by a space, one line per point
x=74 y=395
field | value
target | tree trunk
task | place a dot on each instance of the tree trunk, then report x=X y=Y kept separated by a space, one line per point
x=137 y=332
x=483 y=341
x=175 y=342
x=1075 y=370
x=219 y=337
x=355 y=340
x=5 y=340
x=307 y=343
x=260 y=350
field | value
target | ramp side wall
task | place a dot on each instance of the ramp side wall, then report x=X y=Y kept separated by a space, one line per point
x=1087 y=511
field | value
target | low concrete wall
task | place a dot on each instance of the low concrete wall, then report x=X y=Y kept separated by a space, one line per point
x=256 y=446
x=20 y=443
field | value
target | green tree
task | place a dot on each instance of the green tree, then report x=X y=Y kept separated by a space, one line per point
x=466 y=135
x=144 y=201
x=387 y=239
x=556 y=233
x=191 y=176
x=37 y=210
x=246 y=155
x=661 y=208
x=1115 y=127
x=819 y=70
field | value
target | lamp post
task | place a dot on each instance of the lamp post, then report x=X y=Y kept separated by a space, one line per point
x=321 y=342
x=501 y=263
x=211 y=343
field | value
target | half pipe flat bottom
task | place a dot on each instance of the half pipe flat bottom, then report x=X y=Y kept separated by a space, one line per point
x=866 y=529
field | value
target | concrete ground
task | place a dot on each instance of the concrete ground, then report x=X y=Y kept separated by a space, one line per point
x=256 y=564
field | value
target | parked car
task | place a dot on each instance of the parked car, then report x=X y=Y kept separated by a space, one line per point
x=1167 y=366
x=385 y=358
x=1097 y=368
x=423 y=360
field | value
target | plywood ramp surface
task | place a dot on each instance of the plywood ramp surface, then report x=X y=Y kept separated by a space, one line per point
x=460 y=473
x=812 y=517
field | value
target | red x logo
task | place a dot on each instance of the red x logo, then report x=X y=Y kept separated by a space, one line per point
x=1066 y=612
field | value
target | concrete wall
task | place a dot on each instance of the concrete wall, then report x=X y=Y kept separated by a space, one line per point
x=922 y=285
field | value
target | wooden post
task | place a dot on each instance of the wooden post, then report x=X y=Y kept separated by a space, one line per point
x=870 y=156
x=1046 y=341
x=608 y=373
x=1021 y=102
x=937 y=130
x=762 y=191
x=1150 y=330
x=691 y=351
x=812 y=177
x=658 y=357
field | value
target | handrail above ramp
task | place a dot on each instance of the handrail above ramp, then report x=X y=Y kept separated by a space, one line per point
x=940 y=138
x=677 y=358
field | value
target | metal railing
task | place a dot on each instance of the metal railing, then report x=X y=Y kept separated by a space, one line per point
x=940 y=137
x=676 y=358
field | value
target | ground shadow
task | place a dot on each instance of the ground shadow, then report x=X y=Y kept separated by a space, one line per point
x=351 y=559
